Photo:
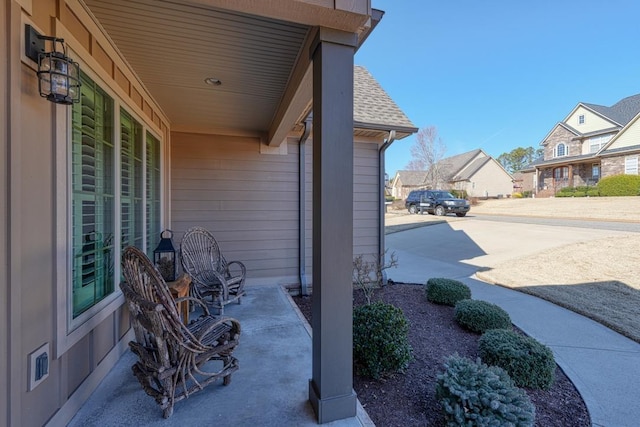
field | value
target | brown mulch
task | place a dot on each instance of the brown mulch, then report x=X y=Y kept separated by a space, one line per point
x=409 y=399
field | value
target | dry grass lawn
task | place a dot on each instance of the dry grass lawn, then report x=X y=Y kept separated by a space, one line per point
x=599 y=279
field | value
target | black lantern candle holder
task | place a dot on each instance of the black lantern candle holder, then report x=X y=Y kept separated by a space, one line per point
x=164 y=257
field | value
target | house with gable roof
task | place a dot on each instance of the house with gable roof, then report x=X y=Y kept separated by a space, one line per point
x=592 y=141
x=474 y=172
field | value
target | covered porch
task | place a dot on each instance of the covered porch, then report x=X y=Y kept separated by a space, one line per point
x=552 y=176
x=192 y=113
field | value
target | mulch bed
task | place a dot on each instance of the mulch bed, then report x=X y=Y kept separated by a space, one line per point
x=409 y=399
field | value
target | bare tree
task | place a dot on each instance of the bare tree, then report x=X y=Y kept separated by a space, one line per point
x=426 y=154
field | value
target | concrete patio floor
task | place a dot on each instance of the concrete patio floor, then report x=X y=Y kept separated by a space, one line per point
x=269 y=389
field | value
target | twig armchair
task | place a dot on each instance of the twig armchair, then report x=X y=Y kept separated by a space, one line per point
x=172 y=355
x=211 y=274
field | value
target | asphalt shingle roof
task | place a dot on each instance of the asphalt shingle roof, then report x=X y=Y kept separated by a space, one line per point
x=412 y=178
x=450 y=166
x=622 y=111
x=372 y=105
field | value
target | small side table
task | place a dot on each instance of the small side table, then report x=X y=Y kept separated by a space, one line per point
x=180 y=288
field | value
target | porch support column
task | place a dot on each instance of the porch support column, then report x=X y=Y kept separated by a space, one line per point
x=570 y=181
x=331 y=386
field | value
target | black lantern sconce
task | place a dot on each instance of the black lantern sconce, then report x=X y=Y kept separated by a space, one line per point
x=164 y=257
x=58 y=75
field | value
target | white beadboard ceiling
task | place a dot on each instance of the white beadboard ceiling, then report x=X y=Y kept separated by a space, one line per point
x=173 y=46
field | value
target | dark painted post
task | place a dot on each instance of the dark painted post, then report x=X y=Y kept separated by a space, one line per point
x=331 y=387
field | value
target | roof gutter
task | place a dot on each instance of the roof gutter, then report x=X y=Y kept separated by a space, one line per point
x=382 y=208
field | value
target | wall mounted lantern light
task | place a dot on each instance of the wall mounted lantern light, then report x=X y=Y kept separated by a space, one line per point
x=58 y=75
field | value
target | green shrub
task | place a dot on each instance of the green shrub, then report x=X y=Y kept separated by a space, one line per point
x=380 y=341
x=480 y=316
x=528 y=362
x=580 y=194
x=565 y=194
x=474 y=394
x=620 y=185
x=593 y=192
x=582 y=188
x=566 y=190
x=446 y=291
x=527 y=193
x=460 y=194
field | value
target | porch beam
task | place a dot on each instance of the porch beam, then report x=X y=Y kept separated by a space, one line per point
x=331 y=386
x=351 y=16
x=296 y=101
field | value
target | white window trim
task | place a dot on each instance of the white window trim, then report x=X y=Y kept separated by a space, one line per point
x=69 y=330
x=566 y=150
x=632 y=170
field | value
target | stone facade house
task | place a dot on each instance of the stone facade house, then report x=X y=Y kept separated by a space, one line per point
x=591 y=142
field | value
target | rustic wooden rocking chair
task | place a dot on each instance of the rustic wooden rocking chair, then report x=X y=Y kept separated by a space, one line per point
x=171 y=354
x=211 y=274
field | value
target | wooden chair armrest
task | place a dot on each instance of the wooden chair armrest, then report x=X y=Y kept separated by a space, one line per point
x=197 y=301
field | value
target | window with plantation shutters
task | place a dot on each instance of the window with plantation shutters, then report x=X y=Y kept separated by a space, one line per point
x=93 y=203
x=153 y=194
x=115 y=188
x=131 y=181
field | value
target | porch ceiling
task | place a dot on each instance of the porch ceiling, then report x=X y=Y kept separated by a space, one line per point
x=174 y=45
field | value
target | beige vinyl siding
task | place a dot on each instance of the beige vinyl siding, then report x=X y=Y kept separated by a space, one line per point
x=365 y=202
x=248 y=200
x=592 y=122
x=629 y=137
x=365 y=198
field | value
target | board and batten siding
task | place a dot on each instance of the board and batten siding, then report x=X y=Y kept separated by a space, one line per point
x=248 y=200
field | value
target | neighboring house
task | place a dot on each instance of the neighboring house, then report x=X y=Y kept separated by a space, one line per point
x=190 y=113
x=404 y=181
x=593 y=141
x=475 y=172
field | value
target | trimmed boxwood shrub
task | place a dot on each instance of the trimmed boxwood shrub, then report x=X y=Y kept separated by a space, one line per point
x=580 y=194
x=480 y=316
x=620 y=185
x=593 y=192
x=380 y=340
x=528 y=362
x=446 y=291
x=474 y=394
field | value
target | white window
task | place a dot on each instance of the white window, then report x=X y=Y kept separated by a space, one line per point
x=631 y=165
x=595 y=170
x=561 y=150
x=581 y=119
x=597 y=142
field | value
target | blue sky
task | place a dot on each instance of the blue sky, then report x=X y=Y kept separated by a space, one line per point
x=499 y=74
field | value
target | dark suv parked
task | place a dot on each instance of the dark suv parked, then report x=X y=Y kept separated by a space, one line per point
x=436 y=202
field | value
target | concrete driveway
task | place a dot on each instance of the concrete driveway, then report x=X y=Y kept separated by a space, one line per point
x=460 y=247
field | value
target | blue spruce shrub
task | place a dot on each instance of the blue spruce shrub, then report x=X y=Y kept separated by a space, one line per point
x=474 y=394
